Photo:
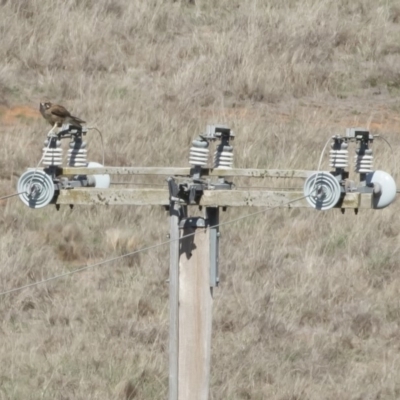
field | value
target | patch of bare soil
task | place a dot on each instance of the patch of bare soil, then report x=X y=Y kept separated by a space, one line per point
x=18 y=114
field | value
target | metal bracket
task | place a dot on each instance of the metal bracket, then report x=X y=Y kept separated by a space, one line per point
x=222 y=184
x=359 y=134
x=174 y=199
x=214 y=132
x=72 y=131
x=212 y=223
x=77 y=182
x=191 y=192
x=212 y=215
x=173 y=189
x=193 y=222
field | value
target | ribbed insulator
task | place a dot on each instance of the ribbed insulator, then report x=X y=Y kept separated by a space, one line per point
x=363 y=162
x=339 y=158
x=77 y=154
x=223 y=157
x=52 y=156
x=199 y=153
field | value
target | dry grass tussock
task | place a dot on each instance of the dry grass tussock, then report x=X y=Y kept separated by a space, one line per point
x=308 y=306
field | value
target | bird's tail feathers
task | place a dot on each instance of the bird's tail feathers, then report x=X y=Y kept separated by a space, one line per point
x=76 y=119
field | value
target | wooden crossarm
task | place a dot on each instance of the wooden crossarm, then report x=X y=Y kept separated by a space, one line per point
x=170 y=171
x=212 y=198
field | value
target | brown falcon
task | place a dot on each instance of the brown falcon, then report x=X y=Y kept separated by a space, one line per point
x=58 y=115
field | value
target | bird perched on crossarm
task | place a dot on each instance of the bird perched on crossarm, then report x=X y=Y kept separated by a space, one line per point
x=57 y=115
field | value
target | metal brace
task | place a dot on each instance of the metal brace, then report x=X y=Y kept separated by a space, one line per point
x=72 y=131
x=174 y=197
x=211 y=222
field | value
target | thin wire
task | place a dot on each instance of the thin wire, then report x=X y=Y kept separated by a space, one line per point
x=101 y=139
x=320 y=162
x=237 y=187
x=269 y=188
x=37 y=166
x=11 y=195
x=391 y=149
x=322 y=153
x=139 y=184
x=145 y=248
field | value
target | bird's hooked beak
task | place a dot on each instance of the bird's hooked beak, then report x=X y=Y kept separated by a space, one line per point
x=45 y=106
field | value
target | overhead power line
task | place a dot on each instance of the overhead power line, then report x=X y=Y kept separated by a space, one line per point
x=109 y=260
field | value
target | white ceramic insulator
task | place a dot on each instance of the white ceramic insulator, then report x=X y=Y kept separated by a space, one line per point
x=198 y=156
x=100 y=181
x=385 y=189
x=224 y=159
x=363 y=162
x=339 y=158
x=52 y=157
x=77 y=157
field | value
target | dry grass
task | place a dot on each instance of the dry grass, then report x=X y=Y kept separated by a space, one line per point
x=308 y=306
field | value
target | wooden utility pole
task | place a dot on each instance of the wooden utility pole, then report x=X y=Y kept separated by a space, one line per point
x=195 y=311
x=174 y=301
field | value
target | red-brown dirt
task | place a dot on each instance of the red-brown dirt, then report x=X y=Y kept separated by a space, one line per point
x=17 y=114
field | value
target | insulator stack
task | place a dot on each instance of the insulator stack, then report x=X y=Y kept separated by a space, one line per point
x=223 y=157
x=52 y=153
x=339 y=155
x=199 y=153
x=339 y=158
x=77 y=154
x=363 y=160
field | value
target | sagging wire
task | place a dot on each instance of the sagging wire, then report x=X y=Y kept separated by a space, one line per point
x=102 y=142
x=319 y=163
x=86 y=267
x=11 y=195
x=237 y=187
x=37 y=166
x=391 y=150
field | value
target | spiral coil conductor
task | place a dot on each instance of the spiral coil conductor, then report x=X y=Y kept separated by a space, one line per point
x=199 y=151
x=52 y=153
x=363 y=160
x=77 y=154
x=223 y=157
